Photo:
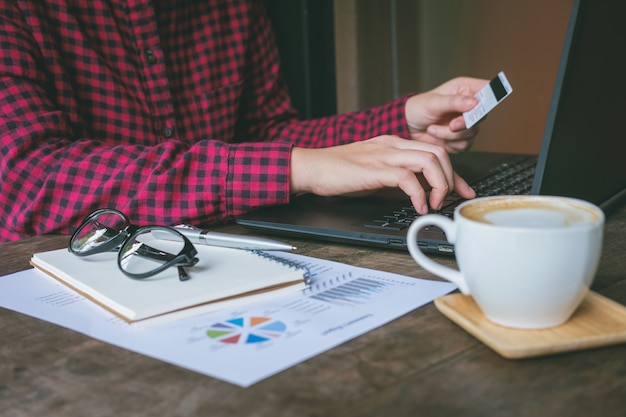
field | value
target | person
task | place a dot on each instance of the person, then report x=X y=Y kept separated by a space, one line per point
x=176 y=112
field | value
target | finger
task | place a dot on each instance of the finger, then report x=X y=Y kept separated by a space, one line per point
x=462 y=85
x=414 y=189
x=458 y=125
x=438 y=175
x=407 y=181
x=439 y=189
x=419 y=156
x=455 y=129
x=462 y=188
x=447 y=104
x=458 y=146
x=433 y=166
x=409 y=162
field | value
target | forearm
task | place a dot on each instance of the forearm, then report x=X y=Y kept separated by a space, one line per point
x=50 y=183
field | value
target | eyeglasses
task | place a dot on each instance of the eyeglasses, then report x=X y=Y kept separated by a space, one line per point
x=142 y=251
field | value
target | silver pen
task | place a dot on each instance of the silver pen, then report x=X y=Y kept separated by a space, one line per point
x=206 y=237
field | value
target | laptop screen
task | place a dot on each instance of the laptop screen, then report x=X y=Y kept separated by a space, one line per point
x=583 y=151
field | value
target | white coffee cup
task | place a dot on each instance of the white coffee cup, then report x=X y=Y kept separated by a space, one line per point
x=527 y=261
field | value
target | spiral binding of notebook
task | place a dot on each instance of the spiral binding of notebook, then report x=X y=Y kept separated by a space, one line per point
x=306 y=272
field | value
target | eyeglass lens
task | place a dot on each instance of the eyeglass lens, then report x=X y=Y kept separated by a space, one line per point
x=98 y=230
x=148 y=250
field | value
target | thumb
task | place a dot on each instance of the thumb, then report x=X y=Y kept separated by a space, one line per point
x=445 y=104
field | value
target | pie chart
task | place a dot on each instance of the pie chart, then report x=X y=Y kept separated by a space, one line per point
x=247 y=330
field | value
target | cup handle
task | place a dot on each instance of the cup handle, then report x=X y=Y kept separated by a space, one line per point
x=449 y=228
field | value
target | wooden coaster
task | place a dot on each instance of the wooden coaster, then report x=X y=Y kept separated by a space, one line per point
x=598 y=321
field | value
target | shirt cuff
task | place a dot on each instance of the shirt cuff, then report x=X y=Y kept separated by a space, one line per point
x=258 y=175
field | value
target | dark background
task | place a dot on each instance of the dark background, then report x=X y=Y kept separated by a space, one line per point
x=305 y=38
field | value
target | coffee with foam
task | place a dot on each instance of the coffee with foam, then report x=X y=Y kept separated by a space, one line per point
x=530 y=212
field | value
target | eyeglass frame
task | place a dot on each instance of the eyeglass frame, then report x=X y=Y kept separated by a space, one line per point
x=186 y=257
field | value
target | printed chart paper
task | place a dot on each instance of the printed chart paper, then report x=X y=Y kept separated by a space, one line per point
x=246 y=344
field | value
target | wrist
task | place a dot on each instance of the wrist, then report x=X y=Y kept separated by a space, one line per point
x=297 y=176
x=412 y=125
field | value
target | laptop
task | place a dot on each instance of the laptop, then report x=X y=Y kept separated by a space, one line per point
x=583 y=151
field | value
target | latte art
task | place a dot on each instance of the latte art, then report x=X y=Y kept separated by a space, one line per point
x=530 y=212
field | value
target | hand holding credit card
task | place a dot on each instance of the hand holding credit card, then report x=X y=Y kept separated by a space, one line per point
x=488 y=97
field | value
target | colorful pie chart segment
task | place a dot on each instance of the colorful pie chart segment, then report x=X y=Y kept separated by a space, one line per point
x=247 y=330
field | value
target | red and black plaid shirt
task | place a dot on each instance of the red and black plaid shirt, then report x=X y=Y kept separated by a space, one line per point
x=170 y=111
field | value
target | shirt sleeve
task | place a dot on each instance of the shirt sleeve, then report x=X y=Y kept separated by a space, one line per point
x=52 y=178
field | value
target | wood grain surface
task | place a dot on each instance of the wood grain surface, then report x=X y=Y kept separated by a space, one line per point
x=421 y=364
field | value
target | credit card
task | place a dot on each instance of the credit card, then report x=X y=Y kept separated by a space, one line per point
x=488 y=97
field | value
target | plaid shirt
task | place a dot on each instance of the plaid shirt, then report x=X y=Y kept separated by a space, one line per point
x=170 y=111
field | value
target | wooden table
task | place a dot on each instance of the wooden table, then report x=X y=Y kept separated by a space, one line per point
x=421 y=364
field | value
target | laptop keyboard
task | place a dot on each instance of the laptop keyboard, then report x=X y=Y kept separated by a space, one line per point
x=508 y=179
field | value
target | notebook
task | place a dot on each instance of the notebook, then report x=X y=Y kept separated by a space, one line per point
x=223 y=277
x=583 y=151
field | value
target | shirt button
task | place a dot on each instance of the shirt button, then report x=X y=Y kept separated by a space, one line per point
x=167 y=132
x=150 y=57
